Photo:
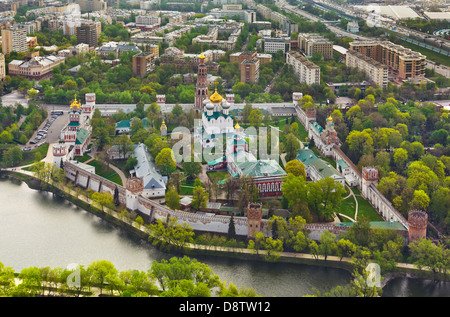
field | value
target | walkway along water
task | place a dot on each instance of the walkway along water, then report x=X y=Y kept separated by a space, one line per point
x=144 y=232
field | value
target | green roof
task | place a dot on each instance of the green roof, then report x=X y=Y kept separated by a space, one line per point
x=317 y=127
x=123 y=124
x=261 y=168
x=74 y=124
x=81 y=136
x=127 y=123
x=217 y=160
x=343 y=164
x=324 y=168
x=306 y=156
x=216 y=115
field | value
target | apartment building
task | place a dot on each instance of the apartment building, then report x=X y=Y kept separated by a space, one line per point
x=143 y=63
x=38 y=67
x=14 y=40
x=403 y=62
x=312 y=43
x=87 y=33
x=250 y=70
x=376 y=71
x=305 y=70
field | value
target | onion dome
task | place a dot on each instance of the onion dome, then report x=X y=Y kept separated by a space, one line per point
x=75 y=105
x=215 y=97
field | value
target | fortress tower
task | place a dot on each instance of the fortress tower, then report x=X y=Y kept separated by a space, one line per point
x=59 y=153
x=88 y=108
x=134 y=188
x=417 y=222
x=254 y=217
x=369 y=176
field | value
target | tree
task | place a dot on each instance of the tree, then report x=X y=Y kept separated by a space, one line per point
x=7 y=280
x=273 y=247
x=199 y=198
x=344 y=248
x=360 y=142
x=170 y=233
x=131 y=163
x=291 y=146
x=426 y=254
x=255 y=118
x=231 y=229
x=101 y=271
x=400 y=158
x=116 y=196
x=295 y=167
x=124 y=144
x=192 y=169
x=103 y=199
x=324 y=197
x=327 y=244
x=12 y=156
x=422 y=177
x=294 y=189
x=172 y=199
x=31 y=282
x=172 y=275
x=165 y=161
x=420 y=200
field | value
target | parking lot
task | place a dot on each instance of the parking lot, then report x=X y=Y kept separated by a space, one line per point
x=48 y=132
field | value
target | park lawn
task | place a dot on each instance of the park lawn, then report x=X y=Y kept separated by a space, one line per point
x=83 y=158
x=28 y=157
x=217 y=175
x=348 y=208
x=366 y=209
x=187 y=188
x=107 y=172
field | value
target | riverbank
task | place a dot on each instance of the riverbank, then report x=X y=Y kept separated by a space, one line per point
x=143 y=233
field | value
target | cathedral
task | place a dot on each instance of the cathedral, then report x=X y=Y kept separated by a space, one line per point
x=75 y=136
x=217 y=120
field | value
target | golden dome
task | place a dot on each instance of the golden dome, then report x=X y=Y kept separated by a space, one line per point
x=202 y=57
x=237 y=126
x=75 y=105
x=215 y=97
x=163 y=125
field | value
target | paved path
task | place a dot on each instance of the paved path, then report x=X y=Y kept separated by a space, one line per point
x=356 y=205
x=121 y=174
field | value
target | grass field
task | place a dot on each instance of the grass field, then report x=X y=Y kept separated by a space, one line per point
x=106 y=172
x=28 y=157
x=348 y=208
